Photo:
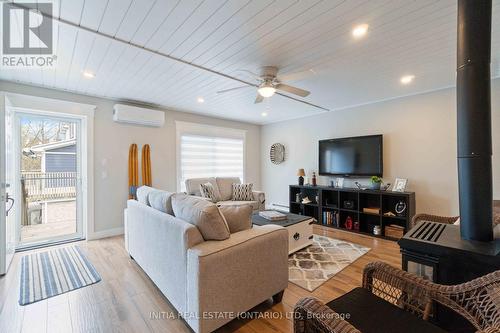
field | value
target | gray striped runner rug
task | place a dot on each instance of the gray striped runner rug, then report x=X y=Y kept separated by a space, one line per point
x=50 y=273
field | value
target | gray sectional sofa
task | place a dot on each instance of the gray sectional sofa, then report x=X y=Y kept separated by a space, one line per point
x=223 y=190
x=208 y=281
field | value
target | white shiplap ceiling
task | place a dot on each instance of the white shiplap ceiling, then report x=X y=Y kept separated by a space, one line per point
x=415 y=37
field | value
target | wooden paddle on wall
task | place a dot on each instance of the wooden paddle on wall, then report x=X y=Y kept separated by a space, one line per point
x=133 y=171
x=146 y=166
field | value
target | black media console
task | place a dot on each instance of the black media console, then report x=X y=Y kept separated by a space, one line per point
x=367 y=209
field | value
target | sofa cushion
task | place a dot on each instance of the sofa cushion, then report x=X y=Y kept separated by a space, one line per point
x=225 y=185
x=254 y=204
x=242 y=192
x=142 y=194
x=193 y=186
x=207 y=191
x=161 y=200
x=238 y=217
x=201 y=213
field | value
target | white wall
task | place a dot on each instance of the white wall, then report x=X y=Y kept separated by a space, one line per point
x=419 y=144
x=112 y=143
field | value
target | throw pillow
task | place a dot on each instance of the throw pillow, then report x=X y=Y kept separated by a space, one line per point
x=202 y=214
x=161 y=200
x=242 y=192
x=207 y=191
x=238 y=217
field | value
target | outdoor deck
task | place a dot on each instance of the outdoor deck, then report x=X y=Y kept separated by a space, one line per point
x=33 y=233
x=60 y=220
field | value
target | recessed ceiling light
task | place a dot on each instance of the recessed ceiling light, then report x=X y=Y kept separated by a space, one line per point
x=407 y=79
x=88 y=75
x=264 y=114
x=360 y=30
x=200 y=100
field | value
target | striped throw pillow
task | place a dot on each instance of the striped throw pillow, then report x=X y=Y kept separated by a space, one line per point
x=207 y=191
x=242 y=192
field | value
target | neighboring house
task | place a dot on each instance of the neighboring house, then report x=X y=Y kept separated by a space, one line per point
x=57 y=156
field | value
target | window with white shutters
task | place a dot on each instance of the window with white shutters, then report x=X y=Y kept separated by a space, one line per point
x=210 y=156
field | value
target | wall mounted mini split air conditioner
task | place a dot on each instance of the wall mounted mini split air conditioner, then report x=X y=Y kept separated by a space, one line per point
x=138 y=116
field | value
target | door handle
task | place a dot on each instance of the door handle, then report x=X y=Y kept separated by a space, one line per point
x=7 y=200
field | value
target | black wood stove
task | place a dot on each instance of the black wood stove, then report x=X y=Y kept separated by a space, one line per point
x=437 y=252
x=450 y=254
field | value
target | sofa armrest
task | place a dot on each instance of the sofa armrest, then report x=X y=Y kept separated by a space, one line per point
x=310 y=315
x=236 y=274
x=159 y=242
x=260 y=197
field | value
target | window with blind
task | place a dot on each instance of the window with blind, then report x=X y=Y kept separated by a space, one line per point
x=208 y=156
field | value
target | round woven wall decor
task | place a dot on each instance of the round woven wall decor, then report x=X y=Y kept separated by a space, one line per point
x=277 y=153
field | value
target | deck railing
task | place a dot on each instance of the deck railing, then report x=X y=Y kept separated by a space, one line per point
x=45 y=186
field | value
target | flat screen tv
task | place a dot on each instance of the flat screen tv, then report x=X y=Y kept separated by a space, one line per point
x=354 y=156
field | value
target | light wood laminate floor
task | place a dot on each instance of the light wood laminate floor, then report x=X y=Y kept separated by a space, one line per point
x=124 y=299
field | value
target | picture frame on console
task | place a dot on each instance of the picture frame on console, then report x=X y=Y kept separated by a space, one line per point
x=400 y=185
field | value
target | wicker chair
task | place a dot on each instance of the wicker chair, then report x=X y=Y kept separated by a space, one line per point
x=433 y=218
x=478 y=301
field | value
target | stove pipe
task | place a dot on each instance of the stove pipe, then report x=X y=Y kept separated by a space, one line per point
x=474 y=120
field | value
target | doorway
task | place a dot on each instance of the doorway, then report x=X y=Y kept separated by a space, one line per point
x=49 y=159
x=67 y=191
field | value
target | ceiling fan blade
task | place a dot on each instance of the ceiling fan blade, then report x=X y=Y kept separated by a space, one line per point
x=293 y=90
x=301 y=101
x=252 y=74
x=258 y=99
x=297 y=76
x=231 y=89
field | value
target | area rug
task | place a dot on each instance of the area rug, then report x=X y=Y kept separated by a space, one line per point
x=309 y=268
x=50 y=273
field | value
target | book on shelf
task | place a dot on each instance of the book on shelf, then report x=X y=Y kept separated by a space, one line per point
x=330 y=218
x=371 y=210
x=272 y=215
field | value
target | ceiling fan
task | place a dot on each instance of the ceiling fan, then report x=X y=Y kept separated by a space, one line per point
x=269 y=83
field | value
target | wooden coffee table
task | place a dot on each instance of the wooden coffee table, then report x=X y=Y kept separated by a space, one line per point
x=300 y=229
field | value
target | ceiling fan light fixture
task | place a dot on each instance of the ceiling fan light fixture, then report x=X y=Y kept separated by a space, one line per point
x=266 y=90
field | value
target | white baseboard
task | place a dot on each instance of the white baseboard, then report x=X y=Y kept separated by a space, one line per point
x=105 y=233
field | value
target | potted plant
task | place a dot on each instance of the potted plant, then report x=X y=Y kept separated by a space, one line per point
x=375 y=182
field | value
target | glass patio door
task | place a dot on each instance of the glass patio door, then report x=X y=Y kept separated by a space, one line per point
x=48 y=179
x=8 y=211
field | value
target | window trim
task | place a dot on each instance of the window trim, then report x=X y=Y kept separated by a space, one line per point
x=182 y=128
